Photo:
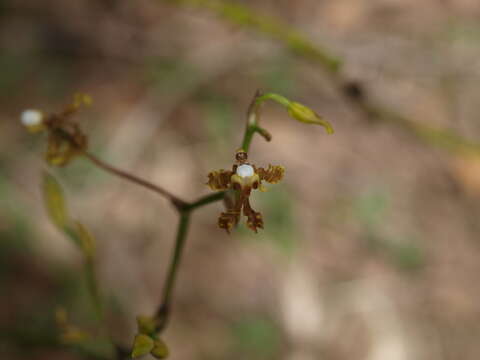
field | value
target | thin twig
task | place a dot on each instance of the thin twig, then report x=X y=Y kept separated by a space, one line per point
x=252 y=126
x=205 y=200
x=176 y=201
x=163 y=313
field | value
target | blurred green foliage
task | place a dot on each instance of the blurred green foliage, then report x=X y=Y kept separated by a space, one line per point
x=371 y=209
x=256 y=337
x=277 y=73
x=170 y=75
x=15 y=69
x=219 y=113
x=31 y=326
x=277 y=207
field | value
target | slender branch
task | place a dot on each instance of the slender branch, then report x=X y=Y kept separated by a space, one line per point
x=205 y=200
x=253 y=118
x=163 y=312
x=176 y=201
x=93 y=290
x=243 y=16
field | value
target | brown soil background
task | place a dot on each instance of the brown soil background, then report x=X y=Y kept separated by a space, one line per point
x=371 y=248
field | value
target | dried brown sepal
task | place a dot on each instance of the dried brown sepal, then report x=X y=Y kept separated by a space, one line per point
x=254 y=218
x=65 y=139
x=228 y=220
x=59 y=151
x=273 y=174
x=219 y=180
x=63 y=144
x=79 y=99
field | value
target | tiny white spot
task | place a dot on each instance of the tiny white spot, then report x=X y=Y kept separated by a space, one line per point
x=31 y=117
x=245 y=170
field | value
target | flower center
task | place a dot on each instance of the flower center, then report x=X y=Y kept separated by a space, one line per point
x=245 y=171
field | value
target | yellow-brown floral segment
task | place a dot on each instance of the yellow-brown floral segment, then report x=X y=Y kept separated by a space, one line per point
x=65 y=139
x=243 y=178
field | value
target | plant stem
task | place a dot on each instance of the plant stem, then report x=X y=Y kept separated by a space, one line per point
x=176 y=201
x=247 y=138
x=253 y=117
x=205 y=200
x=163 y=311
x=252 y=122
x=92 y=285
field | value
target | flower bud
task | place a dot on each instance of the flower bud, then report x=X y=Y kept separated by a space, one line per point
x=160 y=350
x=305 y=114
x=142 y=345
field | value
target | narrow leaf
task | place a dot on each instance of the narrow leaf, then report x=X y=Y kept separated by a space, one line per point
x=55 y=201
x=85 y=239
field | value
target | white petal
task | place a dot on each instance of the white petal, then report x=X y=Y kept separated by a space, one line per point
x=31 y=117
x=245 y=171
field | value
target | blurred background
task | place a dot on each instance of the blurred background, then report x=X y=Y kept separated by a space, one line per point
x=371 y=246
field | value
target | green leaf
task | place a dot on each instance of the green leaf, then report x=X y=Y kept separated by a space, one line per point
x=85 y=240
x=160 y=350
x=256 y=337
x=55 y=201
x=142 y=345
x=407 y=256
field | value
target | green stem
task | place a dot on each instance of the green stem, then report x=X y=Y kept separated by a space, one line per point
x=205 y=200
x=275 y=97
x=247 y=138
x=163 y=311
x=253 y=117
x=93 y=287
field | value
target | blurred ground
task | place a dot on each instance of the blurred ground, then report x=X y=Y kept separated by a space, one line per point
x=371 y=248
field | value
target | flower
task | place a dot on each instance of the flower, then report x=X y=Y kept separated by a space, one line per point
x=65 y=139
x=243 y=178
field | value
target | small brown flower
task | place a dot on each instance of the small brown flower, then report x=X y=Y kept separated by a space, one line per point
x=65 y=139
x=243 y=178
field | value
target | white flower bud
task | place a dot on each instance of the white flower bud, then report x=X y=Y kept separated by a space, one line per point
x=245 y=170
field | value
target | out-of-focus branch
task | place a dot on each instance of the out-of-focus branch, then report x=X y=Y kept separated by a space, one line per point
x=350 y=91
x=244 y=16
x=176 y=201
